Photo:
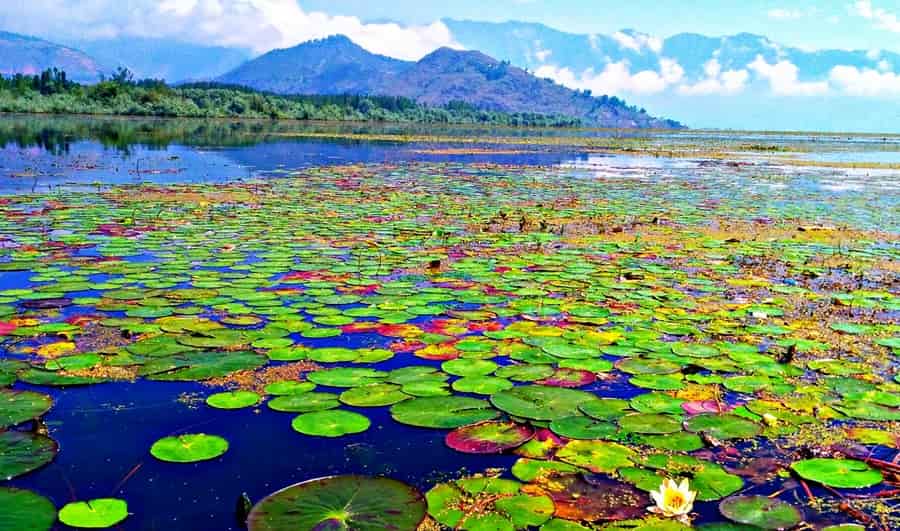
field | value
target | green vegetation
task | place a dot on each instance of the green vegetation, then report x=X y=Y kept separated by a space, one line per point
x=52 y=92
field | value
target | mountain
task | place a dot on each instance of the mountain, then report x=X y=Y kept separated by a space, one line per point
x=167 y=59
x=532 y=45
x=337 y=65
x=30 y=55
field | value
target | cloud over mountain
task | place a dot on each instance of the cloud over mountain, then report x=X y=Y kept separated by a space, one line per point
x=260 y=25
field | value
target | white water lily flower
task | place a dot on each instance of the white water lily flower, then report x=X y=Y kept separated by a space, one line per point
x=674 y=500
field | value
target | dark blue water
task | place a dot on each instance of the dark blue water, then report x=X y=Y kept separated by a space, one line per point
x=105 y=431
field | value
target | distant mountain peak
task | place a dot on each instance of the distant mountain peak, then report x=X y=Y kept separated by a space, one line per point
x=24 y=54
x=337 y=65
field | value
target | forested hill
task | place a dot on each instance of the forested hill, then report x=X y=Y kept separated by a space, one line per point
x=338 y=65
x=53 y=92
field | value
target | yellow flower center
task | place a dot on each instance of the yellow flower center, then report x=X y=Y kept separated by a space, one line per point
x=674 y=499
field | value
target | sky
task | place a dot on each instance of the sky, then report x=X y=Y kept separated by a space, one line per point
x=865 y=89
x=801 y=23
x=405 y=28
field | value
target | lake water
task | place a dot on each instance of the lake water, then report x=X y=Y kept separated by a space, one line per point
x=104 y=430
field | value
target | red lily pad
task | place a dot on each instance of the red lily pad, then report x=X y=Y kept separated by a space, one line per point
x=597 y=500
x=490 y=437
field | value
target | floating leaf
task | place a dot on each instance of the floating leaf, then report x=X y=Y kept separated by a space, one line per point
x=340 y=502
x=761 y=511
x=22 y=452
x=539 y=402
x=24 y=510
x=19 y=406
x=94 y=514
x=443 y=412
x=841 y=473
x=333 y=423
x=233 y=400
x=490 y=437
x=189 y=448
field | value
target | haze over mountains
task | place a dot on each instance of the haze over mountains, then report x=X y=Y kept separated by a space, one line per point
x=736 y=81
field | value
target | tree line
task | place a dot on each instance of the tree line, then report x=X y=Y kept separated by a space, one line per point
x=51 y=92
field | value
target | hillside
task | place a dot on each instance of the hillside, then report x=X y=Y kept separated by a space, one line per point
x=166 y=59
x=336 y=65
x=329 y=66
x=20 y=54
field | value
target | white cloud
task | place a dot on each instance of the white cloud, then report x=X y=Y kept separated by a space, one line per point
x=540 y=53
x=257 y=24
x=865 y=82
x=638 y=41
x=616 y=78
x=717 y=81
x=882 y=18
x=783 y=78
x=785 y=14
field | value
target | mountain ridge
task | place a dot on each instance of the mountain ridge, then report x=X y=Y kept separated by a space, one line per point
x=336 y=65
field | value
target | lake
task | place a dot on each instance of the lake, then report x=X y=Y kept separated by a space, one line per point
x=624 y=305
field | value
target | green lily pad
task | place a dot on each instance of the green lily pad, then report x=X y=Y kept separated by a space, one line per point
x=374 y=395
x=355 y=503
x=723 y=426
x=289 y=387
x=650 y=423
x=581 y=427
x=94 y=514
x=233 y=400
x=540 y=402
x=304 y=402
x=23 y=452
x=25 y=510
x=332 y=423
x=346 y=377
x=840 y=473
x=761 y=511
x=597 y=456
x=189 y=448
x=482 y=504
x=19 y=406
x=443 y=412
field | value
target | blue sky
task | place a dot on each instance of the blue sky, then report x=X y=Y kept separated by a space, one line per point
x=802 y=23
x=771 y=82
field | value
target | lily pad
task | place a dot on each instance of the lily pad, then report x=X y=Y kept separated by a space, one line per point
x=332 y=423
x=840 y=473
x=189 y=448
x=443 y=412
x=490 y=437
x=19 y=406
x=723 y=426
x=540 y=402
x=591 y=499
x=355 y=503
x=581 y=427
x=94 y=514
x=304 y=402
x=487 y=504
x=233 y=400
x=22 y=452
x=761 y=511
x=25 y=510
x=373 y=395
x=650 y=423
x=597 y=456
